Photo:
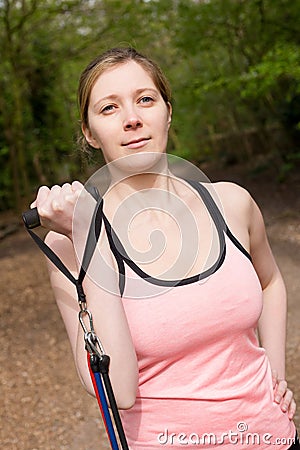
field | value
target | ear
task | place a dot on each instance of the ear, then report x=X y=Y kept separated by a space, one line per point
x=89 y=136
x=169 y=114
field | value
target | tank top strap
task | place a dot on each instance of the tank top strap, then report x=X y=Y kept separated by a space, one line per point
x=122 y=257
x=216 y=214
x=210 y=204
x=114 y=241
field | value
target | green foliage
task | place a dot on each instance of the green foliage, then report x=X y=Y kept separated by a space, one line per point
x=281 y=64
x=234 y=66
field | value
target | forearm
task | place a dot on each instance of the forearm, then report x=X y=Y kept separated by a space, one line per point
x=109 y=321
x=111 y=327
x=272 y=324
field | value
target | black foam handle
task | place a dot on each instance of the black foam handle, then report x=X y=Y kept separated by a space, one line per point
x=31 y=218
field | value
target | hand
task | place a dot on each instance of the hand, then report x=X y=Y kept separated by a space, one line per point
x=56 y=206
x=283 y=396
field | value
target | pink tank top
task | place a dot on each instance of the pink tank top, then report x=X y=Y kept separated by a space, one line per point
x=204 y=381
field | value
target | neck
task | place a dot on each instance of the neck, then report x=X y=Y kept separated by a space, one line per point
x=140 y=171
x=141 y=187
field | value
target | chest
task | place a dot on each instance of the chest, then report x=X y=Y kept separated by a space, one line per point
x=170 y=243
x=194 y=316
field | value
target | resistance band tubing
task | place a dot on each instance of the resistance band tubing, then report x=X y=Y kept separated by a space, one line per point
x=100 y=394
x=115 y=411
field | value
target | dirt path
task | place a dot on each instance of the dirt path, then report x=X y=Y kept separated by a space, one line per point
x=43 y=406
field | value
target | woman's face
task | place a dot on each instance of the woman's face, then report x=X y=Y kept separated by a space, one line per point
x=127 y=114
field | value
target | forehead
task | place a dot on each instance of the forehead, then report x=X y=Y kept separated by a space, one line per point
x=125 y=77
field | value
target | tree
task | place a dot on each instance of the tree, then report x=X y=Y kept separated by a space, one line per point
x=233 y=67
x=244 y=58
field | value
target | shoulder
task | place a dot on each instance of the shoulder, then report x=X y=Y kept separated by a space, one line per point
x=232 y=192
x=58 y=243
x=68 y=252
x=239 y=206
x=240 y=212
x=233 y=198
x=62 y=246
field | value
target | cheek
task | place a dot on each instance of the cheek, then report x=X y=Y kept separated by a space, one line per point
x=108 y=152
x=162 y=122
x=109 y=148
x=102 y=136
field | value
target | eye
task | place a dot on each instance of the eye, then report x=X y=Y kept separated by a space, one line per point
x=146 y=99
x=107 y=109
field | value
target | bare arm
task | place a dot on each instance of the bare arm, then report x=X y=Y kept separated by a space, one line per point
x=109 y=321
x=246 y=222
x=272 y=323
x=56 y=208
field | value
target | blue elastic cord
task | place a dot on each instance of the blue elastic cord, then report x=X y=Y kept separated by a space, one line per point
x=102 y=396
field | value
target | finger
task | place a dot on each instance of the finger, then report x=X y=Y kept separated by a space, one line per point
x=292 y=409
x=55 y=200
x=286 y=401
x=77 y=190
x=56 y=205
x=68 y=194
x=280 y=390
x=42 y=194
x=77 y=186
x=41 y=197
x=66 y=188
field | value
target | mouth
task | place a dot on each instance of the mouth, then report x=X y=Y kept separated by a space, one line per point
x=136 y=143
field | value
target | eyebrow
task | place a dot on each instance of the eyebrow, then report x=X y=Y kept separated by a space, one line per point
x=115 y=96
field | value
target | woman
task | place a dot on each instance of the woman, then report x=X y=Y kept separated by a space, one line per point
x=186 y=365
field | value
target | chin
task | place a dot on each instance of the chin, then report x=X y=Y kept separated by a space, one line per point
x=141 y=162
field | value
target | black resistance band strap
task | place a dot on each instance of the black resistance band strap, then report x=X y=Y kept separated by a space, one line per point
x=91 y=243
x=92 y=239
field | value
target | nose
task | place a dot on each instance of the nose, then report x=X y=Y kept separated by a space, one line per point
x=132 y=121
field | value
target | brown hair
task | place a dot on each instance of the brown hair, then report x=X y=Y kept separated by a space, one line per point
x=106 y=61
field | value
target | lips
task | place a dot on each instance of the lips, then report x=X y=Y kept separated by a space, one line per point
x=136 y=142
